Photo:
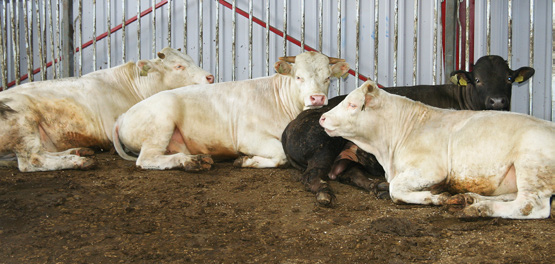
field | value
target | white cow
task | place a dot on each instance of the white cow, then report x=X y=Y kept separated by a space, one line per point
x=501 y=163
x=49 y=124
x=245 y=119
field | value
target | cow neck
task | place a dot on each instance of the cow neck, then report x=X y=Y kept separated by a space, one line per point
x=407 y=116
x=464 y=94
x=129 y=79
x=286 y=95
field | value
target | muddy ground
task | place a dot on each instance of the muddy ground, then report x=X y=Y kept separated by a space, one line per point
x=118 y=213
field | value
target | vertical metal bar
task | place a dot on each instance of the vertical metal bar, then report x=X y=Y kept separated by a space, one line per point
x=68 y=50
x=531 y=62
x=415 y=47
x=396 y=41
x=39 y=39
x=320 y=25
x=201 y=35
x=109 y=37
x=170 y=21
x=357 y=46
x=302 y=25
x=339 y=41
x=15 y=38
x=488 y=27
x=434 y=62
x=94 y=33
x=59 y=41
x=267 y=38
x=123 y=31
x=217 y=43
x=376 y=37
x=44 y=73
x=467 y=39
x=233 y=30
x=153 y=28
x=185 y=25
x=250 y=39
x=139 y=30
x=3 y=46
x=52 y=37
x=28 y=43
x=284 y=28
x=510 y=34
x=450 y=29
x=80 y=26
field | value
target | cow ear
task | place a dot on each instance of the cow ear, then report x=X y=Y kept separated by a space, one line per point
x=340 y=69
x=282 y=67
x=460 y=77
x=370 y=90
x=144 y=66
x=523 y=74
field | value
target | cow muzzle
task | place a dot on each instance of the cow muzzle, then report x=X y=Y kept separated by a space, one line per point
x=497 y=103
x=315 y=101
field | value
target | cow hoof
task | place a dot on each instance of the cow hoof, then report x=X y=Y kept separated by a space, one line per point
x=383 y=195
x=460 y=199
x=474 y=211
x=88 y=164
x=324 y=198
x=82 y=152
x=383 y=186
x=199 y=163
x=240 y=161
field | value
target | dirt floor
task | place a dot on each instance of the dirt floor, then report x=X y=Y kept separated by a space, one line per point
x=118 y=213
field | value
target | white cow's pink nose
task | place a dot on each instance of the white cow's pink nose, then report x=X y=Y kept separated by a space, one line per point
x=210 y=78
x=317 y=100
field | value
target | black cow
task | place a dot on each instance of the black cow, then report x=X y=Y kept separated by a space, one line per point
x=310 y=149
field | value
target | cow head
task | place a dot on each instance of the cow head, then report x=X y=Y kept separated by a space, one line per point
x=311 y=72
x=344 y=119
x=489 y=85
x=172 y=69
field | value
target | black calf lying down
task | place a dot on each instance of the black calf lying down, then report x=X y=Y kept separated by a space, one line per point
x=310 y=149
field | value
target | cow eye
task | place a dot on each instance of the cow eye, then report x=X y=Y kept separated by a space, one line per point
x=299 y=78
x=352 y=106
x=476 y=80
x=510 y=79
x=179 y=67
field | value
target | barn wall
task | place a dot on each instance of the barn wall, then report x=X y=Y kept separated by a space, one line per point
x=403 y=48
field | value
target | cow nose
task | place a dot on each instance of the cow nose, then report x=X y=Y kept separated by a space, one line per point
x=497 y=103
x=210 y=78
x=322 y=120
x=317 y=100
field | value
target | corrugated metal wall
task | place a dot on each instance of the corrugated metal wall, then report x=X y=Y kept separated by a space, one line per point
x=394 y=42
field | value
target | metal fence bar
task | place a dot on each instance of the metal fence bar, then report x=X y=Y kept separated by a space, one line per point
x=109 y=37
x=357 y=45
x=435 y=55
x=217 y=43
x=52 y=37
x=395 y=41
x=339 y=40
x=153 y=48
x=510 y=32
x=14 y=16
x=123 y=57
x=40 y=38
x=302 y=24
x=320 y=25
x=201 y=35
x=531 y=62
x=250 y=39
x=139 y=30
x=185 y=25
x=28 y=44
x=488 y=27
x=59 y=41
x=94 y=33
x=376 y=36
x=80 y=35
x=3 y=46
x=233 y=33
x=415 y=47
x=284 y=28
x=170 y=21
x=267 y=38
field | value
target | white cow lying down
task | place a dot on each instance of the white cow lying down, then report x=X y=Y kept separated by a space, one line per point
x=178 y=128
x=500 y=163
x=49 y=124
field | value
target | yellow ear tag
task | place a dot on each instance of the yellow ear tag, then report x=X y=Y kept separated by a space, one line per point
x=454 y=80
x=462 y=82
x=519 y=79
x=143 y=73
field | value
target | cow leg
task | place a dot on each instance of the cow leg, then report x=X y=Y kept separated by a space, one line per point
x=46 y=161
x=407 y=187
x=270 y=155
x=154 y=158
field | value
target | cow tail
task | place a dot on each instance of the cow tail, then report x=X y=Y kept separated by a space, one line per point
x=117 y=143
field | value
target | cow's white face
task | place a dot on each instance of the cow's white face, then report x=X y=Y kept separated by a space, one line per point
x=312 y=72
x=345 y=120
x=173 y=69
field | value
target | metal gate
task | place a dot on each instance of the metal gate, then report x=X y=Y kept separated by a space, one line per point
x=400 y=42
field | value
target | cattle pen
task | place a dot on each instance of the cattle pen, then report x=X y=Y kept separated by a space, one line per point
x=116 y=212
x=392 y=42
